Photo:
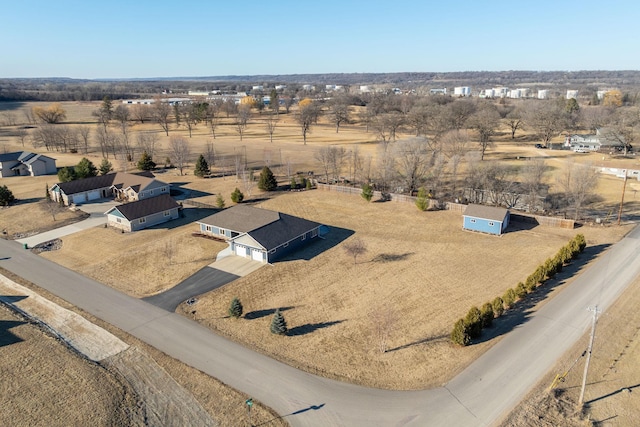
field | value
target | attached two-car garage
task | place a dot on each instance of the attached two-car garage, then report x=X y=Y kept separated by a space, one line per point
x=247 y=252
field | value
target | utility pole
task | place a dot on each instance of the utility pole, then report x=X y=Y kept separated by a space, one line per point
x=624 y=186
x=586 y=365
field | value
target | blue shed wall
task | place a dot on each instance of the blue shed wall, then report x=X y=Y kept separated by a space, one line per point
x=483 y=225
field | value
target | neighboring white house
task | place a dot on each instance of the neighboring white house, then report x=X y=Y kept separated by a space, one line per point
x=582 y=143
x=25 y=163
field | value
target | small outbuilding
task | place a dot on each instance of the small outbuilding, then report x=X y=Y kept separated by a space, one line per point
x=486 y=219
x=25 y=163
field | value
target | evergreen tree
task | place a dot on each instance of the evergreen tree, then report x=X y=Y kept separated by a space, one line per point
x=235 y=309
x=308 y=186
x=487 y=315
x=237 y=196
x=460 y=334
x=498 y=306
x=422 y=201
x=474 y=322
x=66 y=174
x=367 y=192
x=146 y=163
x=47 y=193
x=509 y=298
x=105 y=167
x=220 y=201
x=278 y=324
x=6 y=196
x=267 y=181
x=202 y=167
x=293 y=184
x=85 y=169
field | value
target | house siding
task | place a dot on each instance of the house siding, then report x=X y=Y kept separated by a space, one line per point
x=292 y=245
x=135 y=225
x=484 y=225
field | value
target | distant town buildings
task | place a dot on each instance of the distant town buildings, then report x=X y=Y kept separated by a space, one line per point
x=543 y=94
x=462 y=91
x=572 y=94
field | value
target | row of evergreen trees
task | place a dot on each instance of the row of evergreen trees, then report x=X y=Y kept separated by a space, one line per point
x=470 y=327
x=278 y=323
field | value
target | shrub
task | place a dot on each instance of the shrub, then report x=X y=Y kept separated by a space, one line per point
x=551 y=267
x=220 y=201
x=293 y=184
x=308 y=185
x=582 y=243
x=146 y=163
x=367 y=192
x=66 y=174
x=237 y=196
x=422 y=202
x=460 y=333
x=474 y=322
x=487 y=315
x=498 y=306
x=520 y=290
x=235 y=308
x=278 y=324
x=509 y=298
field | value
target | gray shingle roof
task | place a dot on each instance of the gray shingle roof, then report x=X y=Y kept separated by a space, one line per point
x=146 y=207
x=287 y=228
x=118 y=179
x=241 y=218
x=486 y=212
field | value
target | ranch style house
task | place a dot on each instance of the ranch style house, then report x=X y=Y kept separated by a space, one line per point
x=260 y=234
x=143 y=213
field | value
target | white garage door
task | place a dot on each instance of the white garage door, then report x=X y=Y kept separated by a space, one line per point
x=257 y=255
x=79 y=198
x=94 y=195
x=241 y=251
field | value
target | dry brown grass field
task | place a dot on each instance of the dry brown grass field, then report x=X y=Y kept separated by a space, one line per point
x=41 y=380
x=421 y=265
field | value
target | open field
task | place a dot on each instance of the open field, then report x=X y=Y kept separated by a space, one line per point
x=42 y=377
x=612 y=392
x=37 y=389
x=420 y=266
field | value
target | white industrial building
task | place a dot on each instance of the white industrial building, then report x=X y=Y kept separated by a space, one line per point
x=438 y=91
x=543 y=94
x=462 y=91
x=571 y=93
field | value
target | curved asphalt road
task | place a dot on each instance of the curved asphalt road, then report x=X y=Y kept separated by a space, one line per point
x=478 y=396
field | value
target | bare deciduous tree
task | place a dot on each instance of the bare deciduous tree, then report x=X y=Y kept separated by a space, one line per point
x=578 y=181
x=485 y=120
x=21 y=135
x=161 y=112
x=242 y=119
x=339 y=111
x=147 y=141
x=532 y=175
x=413 y=159
x=180 y=152
x=85 y=133
x=547 y=118
x=354 y=248
x=307 y=115
x=210 y=154
x=213 y=115
x=515 y=121
x=455 y=146
x=140 y=113
x=271 y=123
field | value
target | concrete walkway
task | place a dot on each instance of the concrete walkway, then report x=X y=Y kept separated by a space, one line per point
x=213 y=276
x=96 y=218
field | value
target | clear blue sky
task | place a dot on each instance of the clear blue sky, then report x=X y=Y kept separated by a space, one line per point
x=143 y=38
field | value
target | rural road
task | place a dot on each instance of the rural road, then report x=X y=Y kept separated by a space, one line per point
x=479 y=396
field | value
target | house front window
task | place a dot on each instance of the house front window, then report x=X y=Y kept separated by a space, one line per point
x=167 y=213
x=490 y=223
x=473 y=221
x=142 y=220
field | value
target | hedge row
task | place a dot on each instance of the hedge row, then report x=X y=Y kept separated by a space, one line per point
x=470 y=326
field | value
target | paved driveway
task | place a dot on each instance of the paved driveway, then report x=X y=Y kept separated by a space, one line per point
x=96 y=218
x=207 y=279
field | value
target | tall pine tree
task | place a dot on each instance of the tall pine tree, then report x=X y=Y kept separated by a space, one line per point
x=202 y=167
x=278 y=324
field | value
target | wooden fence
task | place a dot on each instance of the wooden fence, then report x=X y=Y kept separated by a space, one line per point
x=454 y=207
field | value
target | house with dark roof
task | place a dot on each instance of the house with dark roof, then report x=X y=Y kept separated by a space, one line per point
x=121 y=186
x=260 y=234
x=25 y=163
x=143 y=213
x=486 y=219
